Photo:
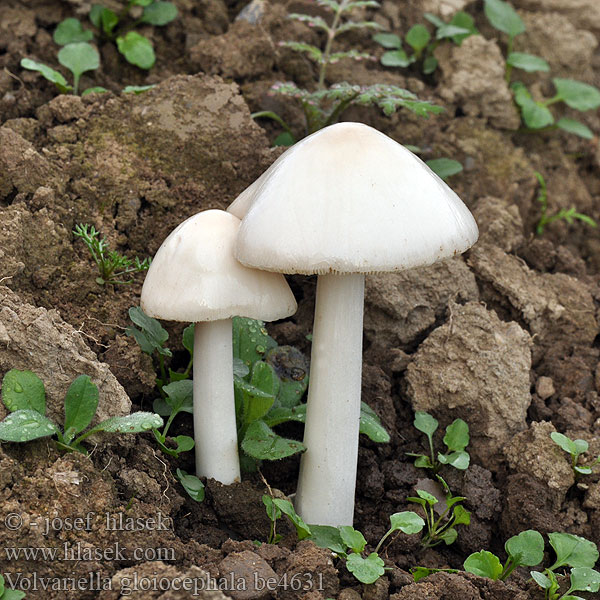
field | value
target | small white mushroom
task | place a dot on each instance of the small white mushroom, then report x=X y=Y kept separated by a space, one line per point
x=343 y=202
x=195 y=278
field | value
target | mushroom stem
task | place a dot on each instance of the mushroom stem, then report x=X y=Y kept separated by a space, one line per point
x=215 y=431
x=327 y=480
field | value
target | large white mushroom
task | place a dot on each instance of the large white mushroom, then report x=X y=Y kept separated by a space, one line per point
x=195 y=278
x=343 y=202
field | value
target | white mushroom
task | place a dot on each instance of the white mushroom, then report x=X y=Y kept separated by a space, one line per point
x=343 y=202
x=194 y=277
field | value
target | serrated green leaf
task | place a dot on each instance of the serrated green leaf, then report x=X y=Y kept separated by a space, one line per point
x=192 y=485
x=576 y=94
x=527 y=62
x=366 y=570
x=137 y=422
x=159 y=13
x=572 y=550
x=407 y=521
x=71 y=30
x=81 y=403
x=262 y=443
x=50 y=74
x=23 y=390
x=528 y=546
x=503 y=17
x=484 y=564
x=137 y=50
x=26 y=425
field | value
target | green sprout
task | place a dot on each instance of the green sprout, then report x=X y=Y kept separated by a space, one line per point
x=111 y=264
x=456 y=440
x=345 y=542
x=421 y=43
x=441 y=528
x=324 y=105
x=566 y=214
x=575 y=448
x=24 y=395
x=78 y=57
x=535 y=114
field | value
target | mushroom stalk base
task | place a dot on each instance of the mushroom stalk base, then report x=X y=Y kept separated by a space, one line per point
x=215 y=431
x=327 y=480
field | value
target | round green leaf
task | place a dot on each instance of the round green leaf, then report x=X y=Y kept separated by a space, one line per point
x=388 y=40
x=23 y=390
x=504 y=17
x=527 y=62
x=353 y=539
x=137 y=49
x=418 y=37
x=564 y=442
x=159 y=13
x=395 y=58
x=407 y=521
x=366 y=570
x=79 y=58
x=527 y=548
x=584 y=579
x=576 y=94
x=425 y=423
x=484 y=564
x=572 y=550
x=70 y=31
x=98 y=89
x=25 y=425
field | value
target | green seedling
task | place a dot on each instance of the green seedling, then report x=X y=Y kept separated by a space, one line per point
x=421 y=42
x=276 y=507
x=191 y=484
x=7 y=593
x=535 y=114
x=523 y=550
x=118 y=28
x=444 y=167
x=456 y=440
x=419 y=573
x=24 y=396
x=111 y=264
x=441 y=528
x=325 y=105
x=575 y=448
x=77 y=57
x=566 y=214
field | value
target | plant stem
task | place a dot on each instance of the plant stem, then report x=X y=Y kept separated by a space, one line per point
x=330 y=37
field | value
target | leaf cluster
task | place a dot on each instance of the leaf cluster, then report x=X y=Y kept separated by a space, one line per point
x=24 y=395
x=575 y=448
x=422 y=44
x=456 y=440
x=111 y=265
x=536 y=114
x=566 y=214
x=345 y=542
x=527 y=549
x=441 y=524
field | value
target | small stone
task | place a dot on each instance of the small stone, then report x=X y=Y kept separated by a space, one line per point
x=544 y=387
x=249 y=574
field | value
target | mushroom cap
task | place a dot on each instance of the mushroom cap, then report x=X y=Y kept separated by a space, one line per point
x=195 y=277
x=349 y=199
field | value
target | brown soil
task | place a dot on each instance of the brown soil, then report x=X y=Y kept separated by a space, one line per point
x=504 y=337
